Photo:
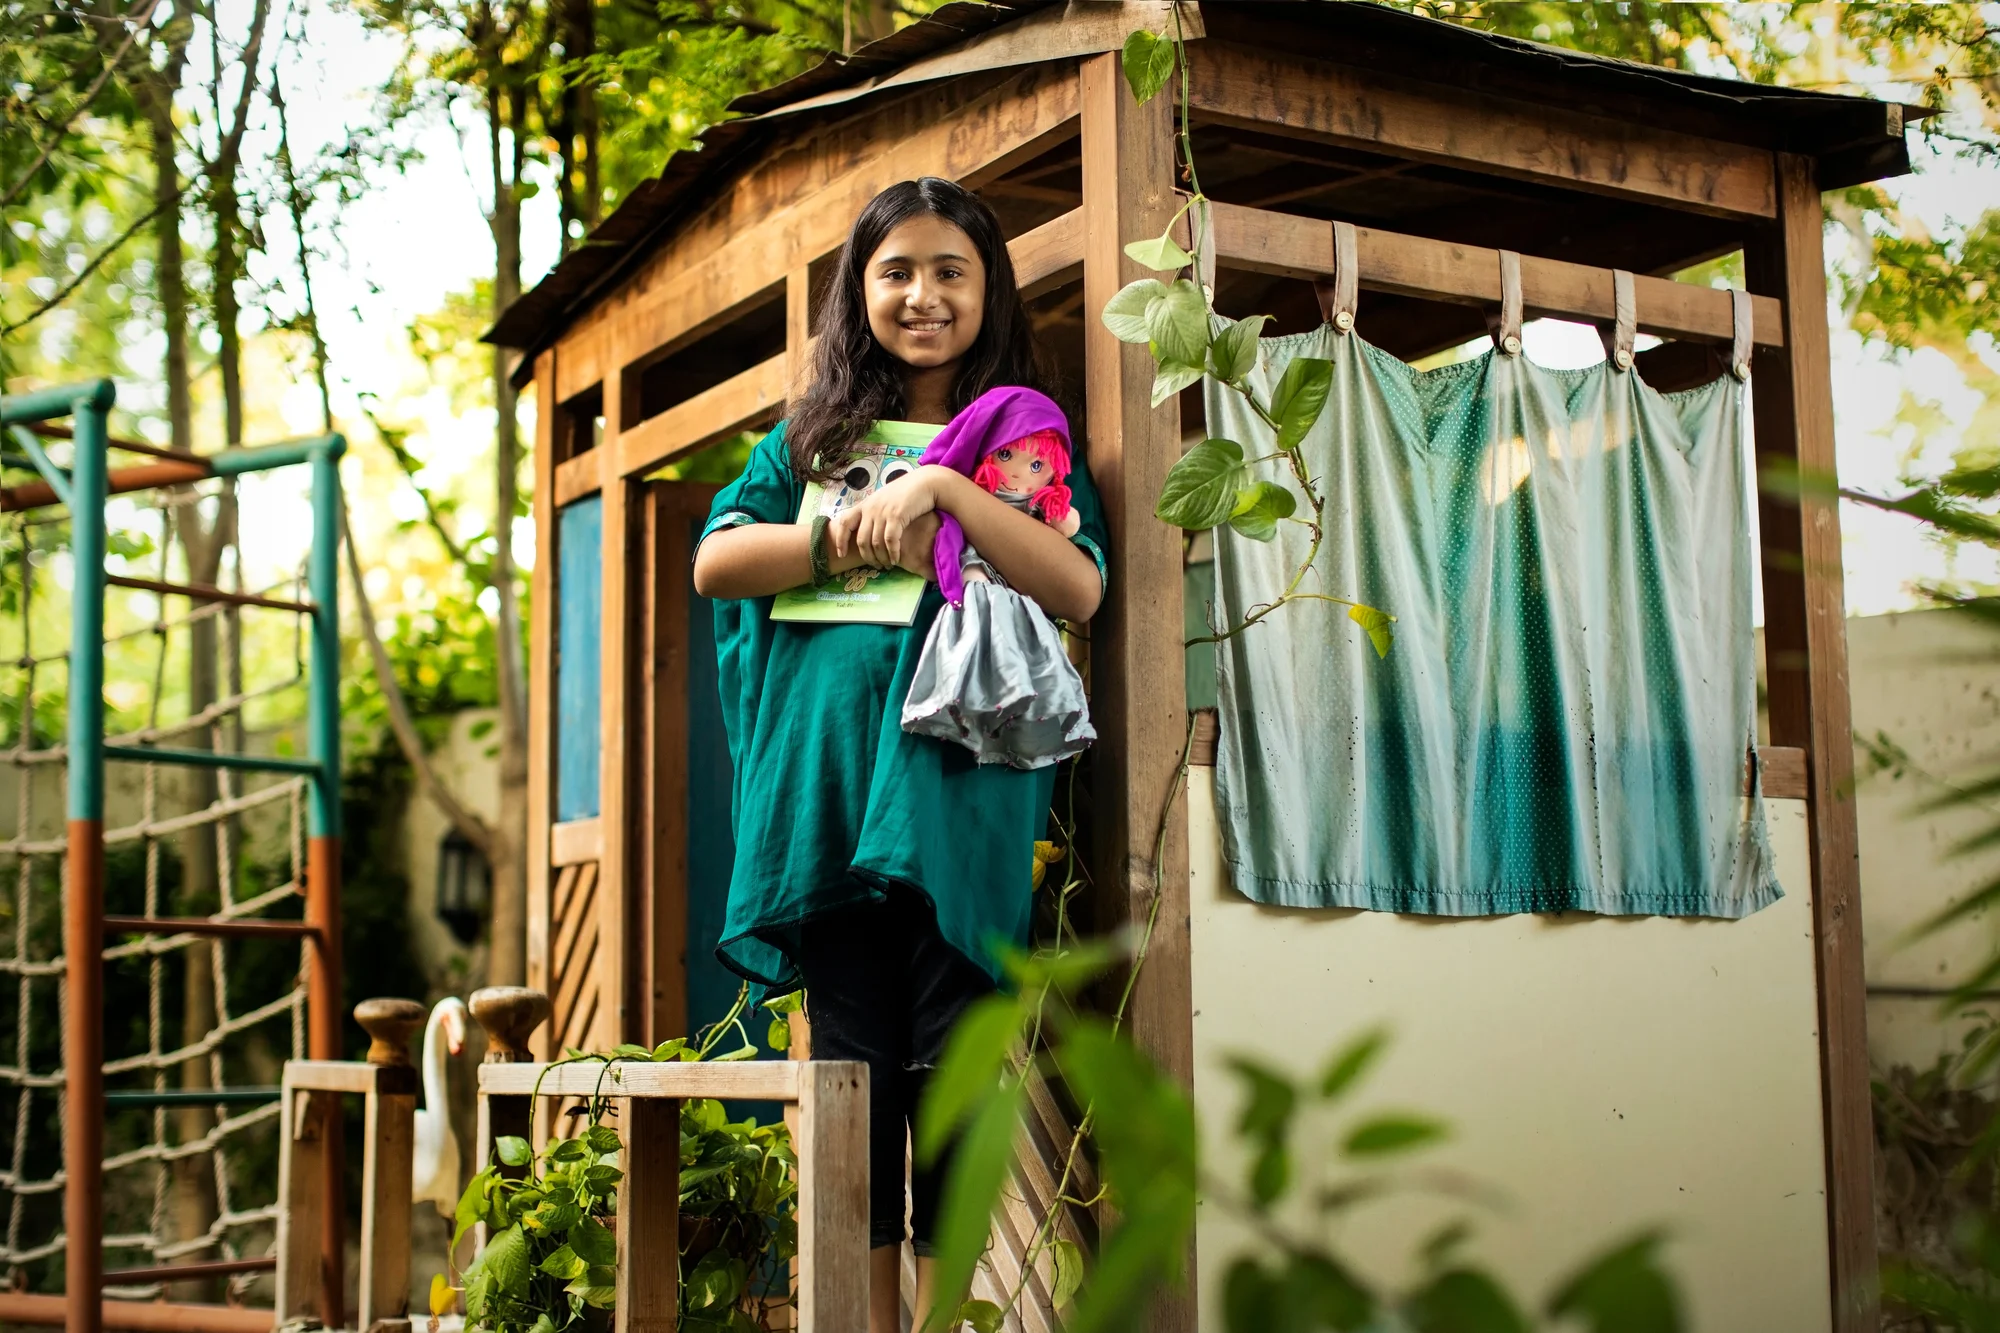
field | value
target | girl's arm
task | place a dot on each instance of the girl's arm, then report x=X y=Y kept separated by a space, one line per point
x=764 y=559
x=1033 y=557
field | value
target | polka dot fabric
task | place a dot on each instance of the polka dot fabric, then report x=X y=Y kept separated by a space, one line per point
x=1564 y=720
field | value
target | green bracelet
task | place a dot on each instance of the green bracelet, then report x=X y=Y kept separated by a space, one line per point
x=816 y=551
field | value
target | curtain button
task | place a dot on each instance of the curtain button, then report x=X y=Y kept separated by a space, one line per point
x=1624 y=359
x=1343 y=320
x=1512 y=345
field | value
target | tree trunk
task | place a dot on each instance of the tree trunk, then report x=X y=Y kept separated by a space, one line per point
x=507 y=959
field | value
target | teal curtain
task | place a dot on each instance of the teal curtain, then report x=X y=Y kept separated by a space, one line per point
x=1566 y=715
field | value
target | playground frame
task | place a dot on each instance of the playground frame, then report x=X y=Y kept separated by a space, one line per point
x=84 y=490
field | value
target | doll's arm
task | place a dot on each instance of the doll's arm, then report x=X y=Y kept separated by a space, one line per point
x=1068 y=525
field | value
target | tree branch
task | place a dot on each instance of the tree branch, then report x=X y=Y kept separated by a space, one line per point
x=134 y=21
x=96 y=261
x=468 y=823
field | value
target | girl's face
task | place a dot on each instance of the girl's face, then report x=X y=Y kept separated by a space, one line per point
x=925 y=289
x=1025 y=470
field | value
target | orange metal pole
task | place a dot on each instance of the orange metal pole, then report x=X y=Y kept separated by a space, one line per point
x=323 y=1043
x=83 y=1093
x=19 y=1307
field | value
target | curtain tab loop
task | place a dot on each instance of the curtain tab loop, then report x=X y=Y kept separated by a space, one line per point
x=1340 y=291
x=1739 y=347
x=1620 y=335
x=1506 y=325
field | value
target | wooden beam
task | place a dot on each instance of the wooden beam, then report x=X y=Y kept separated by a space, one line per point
x=697 y=277
x=798 y=331
x=304 y=1116
x=1048 y=256
x=578 y=477
x=649 y=1215
x=1805 y=639
x=575 y=841
x=617 y=886
x=389 y=1136
x=832 y=1149
x=1260 y=89
x=754 y=395
x=1285 y=245
x=541 y=686
x=747 y=1080
x=1138 y=696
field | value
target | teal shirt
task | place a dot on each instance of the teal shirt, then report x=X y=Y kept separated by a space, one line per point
x=833 y=801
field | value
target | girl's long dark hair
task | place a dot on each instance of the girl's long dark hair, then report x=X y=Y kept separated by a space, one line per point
x=856 y=383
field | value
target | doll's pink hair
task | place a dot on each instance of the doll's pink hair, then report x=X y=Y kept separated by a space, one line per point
x=1052 y=501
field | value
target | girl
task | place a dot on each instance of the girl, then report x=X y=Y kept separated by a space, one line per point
x=884 y=871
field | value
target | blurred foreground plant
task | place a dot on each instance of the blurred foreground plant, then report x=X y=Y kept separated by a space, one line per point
x=1143 y=1127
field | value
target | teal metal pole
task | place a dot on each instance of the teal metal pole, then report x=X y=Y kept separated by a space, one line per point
x=264 y=457
x=47 y=404
x=323 y=686
x=83 y=925
x=57 y=479
x=256 y=763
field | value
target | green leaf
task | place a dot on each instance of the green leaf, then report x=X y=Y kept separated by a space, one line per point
x=1063 y=971
x=1270 y=1175
x=542 y=1324
x=1463 y=1301
x=1623 y=1291
x=1250 y=1298
x=1317 y=1287
x=1148 y=60
x=1233 y=352
x=1177 y=326
x=625 y=1050
x=1353 y=1060
x=1066 y=1257
x=979 y=1168
x=1266 y=1120
x=1125 y=314
x=601 y=1139
x=984 y=1316
x=670 y=1049
x=564 y=1263
x=1377 y=624
x=779 y=1036
x=1300 y=397
x=567 y=1150
x=593 y=1242
x=471 y=1210
x=969 y=1075
x=597 y=1288
x=505 y=1261
x=1171 y=379
x=600 y=1178
x=513 y=1150
x=1391 y=1134
x=791 y=1002
x=1258 y=509
x=1200 y=489
x=1162 y=253
x=716 y=1281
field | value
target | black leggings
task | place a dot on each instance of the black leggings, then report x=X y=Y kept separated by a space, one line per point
x=884 y=988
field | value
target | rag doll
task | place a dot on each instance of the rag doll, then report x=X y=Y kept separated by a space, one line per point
x=993 y=675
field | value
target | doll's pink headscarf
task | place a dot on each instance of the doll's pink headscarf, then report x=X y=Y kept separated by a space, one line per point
x=996 y=417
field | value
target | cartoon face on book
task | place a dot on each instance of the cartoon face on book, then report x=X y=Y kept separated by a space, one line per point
x=866 y=474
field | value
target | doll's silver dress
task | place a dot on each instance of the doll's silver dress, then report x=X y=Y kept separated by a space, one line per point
x=994 y=678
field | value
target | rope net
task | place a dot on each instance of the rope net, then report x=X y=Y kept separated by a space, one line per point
x=186 y=1180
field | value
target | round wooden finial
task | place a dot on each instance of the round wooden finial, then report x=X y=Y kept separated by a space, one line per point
x=509 y=1014
x=389 y=1024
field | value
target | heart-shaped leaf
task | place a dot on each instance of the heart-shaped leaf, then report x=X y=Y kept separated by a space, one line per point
x=1258 y=509
x=1233 y=353
x=1171 y=379
x=984 y=1316
x=1377 y=624
x=513 y=1150
x=1125 y=314
x=1464 y=1301
x=779 y=1037
x=1299 y=398
x=1067 y=1258
x=1161 y=253
x=1148 y=59
x=593 y=1242
x=443 y=1295
x=1177 y=324
x=1200 y=489
x=565 y=1264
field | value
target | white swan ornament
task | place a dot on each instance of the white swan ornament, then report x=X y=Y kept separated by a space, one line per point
x=434 y=1168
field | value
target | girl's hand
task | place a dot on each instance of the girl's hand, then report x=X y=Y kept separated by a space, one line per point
x=874 y=530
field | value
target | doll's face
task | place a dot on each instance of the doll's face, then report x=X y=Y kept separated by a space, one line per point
x=1025 y=470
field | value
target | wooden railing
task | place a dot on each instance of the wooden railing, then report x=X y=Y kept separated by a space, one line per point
x=831 y=1142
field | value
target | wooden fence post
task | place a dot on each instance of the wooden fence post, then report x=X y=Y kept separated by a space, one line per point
x=389 y=1117
x=832 y=1147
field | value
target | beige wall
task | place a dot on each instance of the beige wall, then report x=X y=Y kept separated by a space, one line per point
x=467 y=763
x=1924 y=681
x=1604 y=1074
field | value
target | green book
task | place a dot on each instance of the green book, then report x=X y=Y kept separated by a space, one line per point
x=862 y=596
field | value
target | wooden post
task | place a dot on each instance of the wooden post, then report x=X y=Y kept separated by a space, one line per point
x=617 y=887
x=1138 y=694
x=832 y=1147
x=649 y=1216
x=798 y=330
x=389 y=1117
x=541 y=676
x=1805 y=644
x=661 y=916
x=301 y=1156
x=510 y=1015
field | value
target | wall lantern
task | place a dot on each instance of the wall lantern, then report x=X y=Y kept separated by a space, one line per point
x=464 y=887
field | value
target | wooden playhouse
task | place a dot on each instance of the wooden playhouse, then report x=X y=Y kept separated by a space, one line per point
x=1744 y=1123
